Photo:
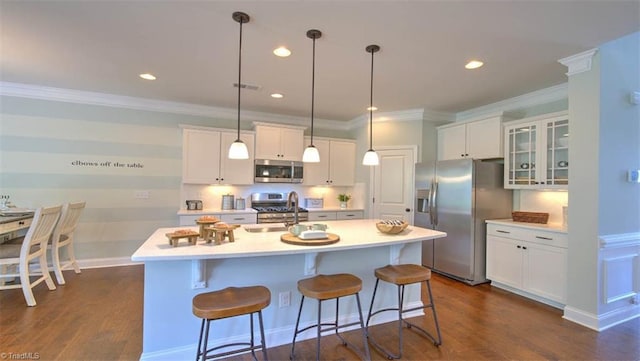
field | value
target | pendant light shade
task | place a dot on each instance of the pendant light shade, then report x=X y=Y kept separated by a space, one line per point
x=238 y=149
x=371 y=157
x=311 y=154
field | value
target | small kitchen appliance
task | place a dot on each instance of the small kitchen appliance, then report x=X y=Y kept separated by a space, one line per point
x=193 y=205
x=278 y=171
x=272 y=208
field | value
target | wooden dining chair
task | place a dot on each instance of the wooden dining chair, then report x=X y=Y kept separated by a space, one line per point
x=63 y=236
x=17 y=255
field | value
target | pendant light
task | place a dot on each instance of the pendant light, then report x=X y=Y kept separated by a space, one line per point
x=371 y=157
x=238 y=149
x=311 y=154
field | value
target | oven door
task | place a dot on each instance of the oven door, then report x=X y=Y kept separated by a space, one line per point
x=278 y=171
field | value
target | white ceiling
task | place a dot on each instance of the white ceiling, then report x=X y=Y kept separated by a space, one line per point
x=192 y=47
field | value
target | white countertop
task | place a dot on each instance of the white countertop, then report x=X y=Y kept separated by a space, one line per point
x=551 y=227
x=335 y=209
x=353 y=234
x=200 y=212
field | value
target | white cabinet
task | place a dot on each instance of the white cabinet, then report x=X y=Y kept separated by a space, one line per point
x=322 y=216
x=528 y=260
x=342 y=215
x=537 y=152
x=279 y=142
x=205 y=161
x=237 y=217
x=480 y=139
x=336 y=166
x=335 y=215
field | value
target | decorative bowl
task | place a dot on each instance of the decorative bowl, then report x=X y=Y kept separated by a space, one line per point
x=391 y=226
x=523 y=146
x=562 y=142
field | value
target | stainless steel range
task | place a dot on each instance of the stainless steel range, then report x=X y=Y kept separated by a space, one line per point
x=272 y=208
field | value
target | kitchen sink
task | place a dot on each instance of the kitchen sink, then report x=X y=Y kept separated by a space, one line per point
x=266 y=229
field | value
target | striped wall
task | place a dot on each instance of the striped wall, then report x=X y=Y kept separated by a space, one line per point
x=52 y=152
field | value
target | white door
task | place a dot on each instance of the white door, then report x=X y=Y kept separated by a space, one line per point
x=393 y=181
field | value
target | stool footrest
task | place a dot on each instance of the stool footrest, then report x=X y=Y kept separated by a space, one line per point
x=232 y=352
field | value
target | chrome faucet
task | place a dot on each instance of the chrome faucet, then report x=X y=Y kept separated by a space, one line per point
x=294 y=195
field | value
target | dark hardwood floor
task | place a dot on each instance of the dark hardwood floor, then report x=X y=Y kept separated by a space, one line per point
x=98 y=316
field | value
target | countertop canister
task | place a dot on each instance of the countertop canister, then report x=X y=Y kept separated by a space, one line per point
x=227 y=202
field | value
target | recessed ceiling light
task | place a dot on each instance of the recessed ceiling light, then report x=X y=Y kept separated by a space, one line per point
x=282 y=52
x=277 y=95
x=372 y=108
x=474 y=64
x=148 y=76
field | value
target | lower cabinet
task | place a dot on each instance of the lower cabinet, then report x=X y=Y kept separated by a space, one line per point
x=231 y=218
x=528 y=260
x=335 y=215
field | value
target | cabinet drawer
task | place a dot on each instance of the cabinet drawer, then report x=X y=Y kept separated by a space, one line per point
x=350 y=215
x=15 y=225
x=239 y=218
x=188 y=220
x=530 y=235
x=322 y=216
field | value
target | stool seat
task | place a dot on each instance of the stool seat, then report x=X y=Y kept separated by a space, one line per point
x=403 y=274
x=231 y=301
x=324 y=287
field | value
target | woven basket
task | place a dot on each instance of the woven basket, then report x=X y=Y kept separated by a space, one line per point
x=530 y=217
x=391 y=229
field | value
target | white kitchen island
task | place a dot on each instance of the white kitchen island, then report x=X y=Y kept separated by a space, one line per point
x=174 y=275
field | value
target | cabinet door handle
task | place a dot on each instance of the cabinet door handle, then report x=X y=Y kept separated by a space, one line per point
x=239 y=219
x=519 y=246
x=523 y=247
x=545 y=238
x=21 y=223
x=462 y=155
x=322 y=216
x=501 y=231
x=349 y=215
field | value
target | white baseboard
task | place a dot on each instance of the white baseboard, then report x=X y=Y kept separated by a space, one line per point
x=546 y=301
x=106 y=262
x=603 y=321
x=274 y=337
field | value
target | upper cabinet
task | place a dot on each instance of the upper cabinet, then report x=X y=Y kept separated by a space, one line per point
x=279 y=142
x=205 y=160
x=336 y=166
x=480 y=139
x=537 y=153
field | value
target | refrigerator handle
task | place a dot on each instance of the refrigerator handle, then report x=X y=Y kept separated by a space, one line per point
x=434 y=204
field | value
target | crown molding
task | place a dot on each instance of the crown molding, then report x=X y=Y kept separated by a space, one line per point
x=397 y=116
x=543 y=96
x=547 y=95
x=578 y=63
x=122 y=101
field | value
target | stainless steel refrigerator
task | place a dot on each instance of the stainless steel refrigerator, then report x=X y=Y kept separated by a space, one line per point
x=456 y=197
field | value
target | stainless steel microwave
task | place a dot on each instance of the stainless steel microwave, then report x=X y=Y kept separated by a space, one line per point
x=278 y=171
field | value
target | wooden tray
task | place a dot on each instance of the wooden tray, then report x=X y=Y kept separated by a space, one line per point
x=291 y=239
x=530 y=217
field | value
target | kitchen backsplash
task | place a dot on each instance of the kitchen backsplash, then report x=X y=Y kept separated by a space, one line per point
x=536 y=201
x=211 y=195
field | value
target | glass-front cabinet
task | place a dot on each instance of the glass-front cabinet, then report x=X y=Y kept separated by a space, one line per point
x=537 y=152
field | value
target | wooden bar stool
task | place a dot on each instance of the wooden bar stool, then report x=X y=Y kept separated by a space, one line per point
x=327 y=287
x=402 y=275
x=230 y=302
